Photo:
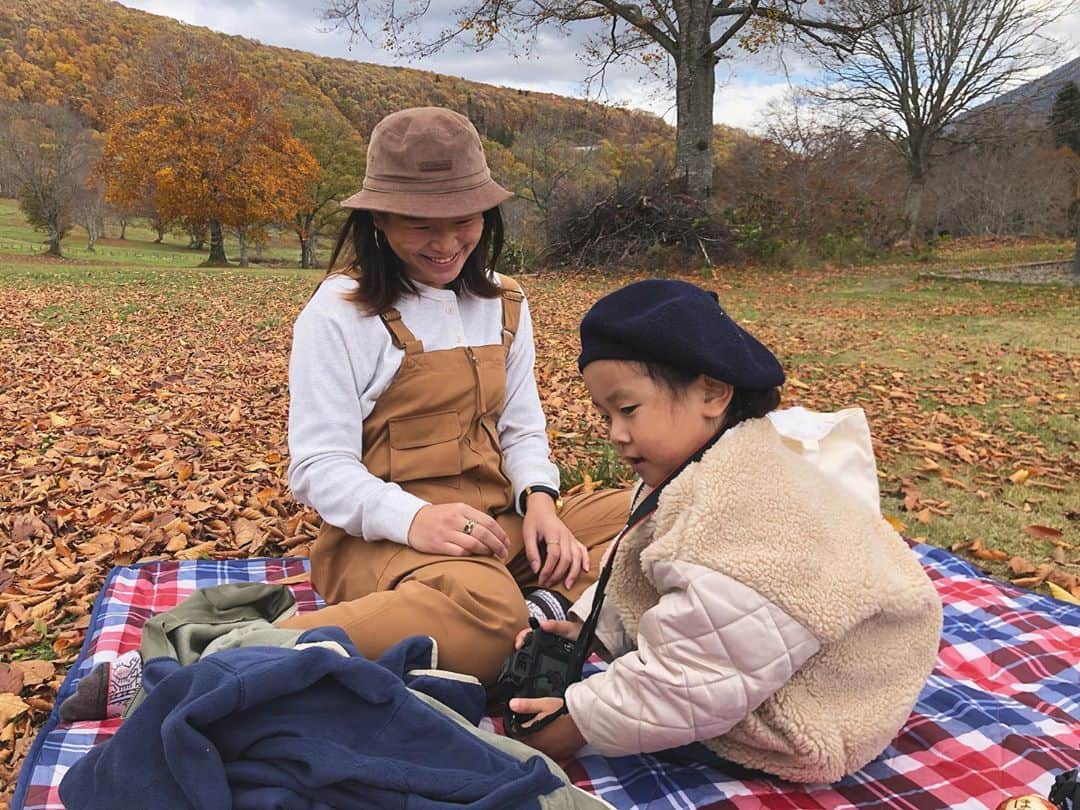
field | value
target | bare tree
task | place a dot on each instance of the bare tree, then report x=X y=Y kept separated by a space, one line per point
x=551 y=159
x=692 y=34
x=90 y=211
x=47 y=153
x=916 y=72
x=819 y=184
x=1002 y=177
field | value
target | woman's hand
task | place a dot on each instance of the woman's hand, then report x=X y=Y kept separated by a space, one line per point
x=566 y=557
x=560 y=738
x=440 y=529
x=569 y=630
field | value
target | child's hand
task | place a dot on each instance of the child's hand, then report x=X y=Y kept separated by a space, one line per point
x=559 y=739
x=569 y=630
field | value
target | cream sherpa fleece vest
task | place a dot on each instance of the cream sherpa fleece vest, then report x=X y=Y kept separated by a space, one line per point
x=756 y=511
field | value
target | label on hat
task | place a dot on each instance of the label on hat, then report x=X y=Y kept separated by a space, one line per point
x=436 y=165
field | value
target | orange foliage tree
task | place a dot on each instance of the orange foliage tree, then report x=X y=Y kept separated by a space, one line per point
x=341 y=155
x=208 y=144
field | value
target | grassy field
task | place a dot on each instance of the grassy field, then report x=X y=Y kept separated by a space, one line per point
x=143 y=405
x=138 y=247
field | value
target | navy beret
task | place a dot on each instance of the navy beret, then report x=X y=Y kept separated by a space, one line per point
x=676 y=324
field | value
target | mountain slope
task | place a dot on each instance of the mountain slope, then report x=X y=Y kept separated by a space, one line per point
x=1035 y=98
x=82 y=51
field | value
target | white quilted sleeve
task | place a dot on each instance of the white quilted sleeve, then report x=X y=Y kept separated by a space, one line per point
x=609 y=627
x=709 y=653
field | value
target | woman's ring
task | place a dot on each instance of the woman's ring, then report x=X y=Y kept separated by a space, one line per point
x=469 y=525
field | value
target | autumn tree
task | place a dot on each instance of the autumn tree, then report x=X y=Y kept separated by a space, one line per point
x=1065 y=124
x=208 y=142
x=928 y=62
x=341 y=156
x=692 y=34
x=47 y=153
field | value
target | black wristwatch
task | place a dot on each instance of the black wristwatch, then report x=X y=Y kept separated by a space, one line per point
x=525 y=493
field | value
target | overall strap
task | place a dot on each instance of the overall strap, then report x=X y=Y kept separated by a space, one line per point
x=400 y=334
x=512 y=296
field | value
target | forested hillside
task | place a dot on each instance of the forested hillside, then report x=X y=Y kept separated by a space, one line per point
x=82 y=52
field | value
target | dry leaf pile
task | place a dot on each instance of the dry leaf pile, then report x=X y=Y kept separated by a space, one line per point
x=149 y=424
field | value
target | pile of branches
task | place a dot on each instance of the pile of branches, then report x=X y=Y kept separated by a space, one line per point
x=628 y=225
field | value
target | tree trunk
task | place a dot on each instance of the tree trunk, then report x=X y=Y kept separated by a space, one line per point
x=54 y=240
x=217 y=245
x=242 y=236
x=695 y=86
x=307 y=237
x=913 y=203
x=123 y=228
x=159 y=227
x=303 y=253
x=308 y=247
x=1076 y=256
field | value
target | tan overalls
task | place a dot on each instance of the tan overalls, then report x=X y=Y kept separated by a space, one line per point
x=433 y=432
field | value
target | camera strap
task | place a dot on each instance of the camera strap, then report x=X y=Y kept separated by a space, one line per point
x=638 y=513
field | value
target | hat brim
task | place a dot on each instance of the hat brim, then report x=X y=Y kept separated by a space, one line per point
x=444 y=204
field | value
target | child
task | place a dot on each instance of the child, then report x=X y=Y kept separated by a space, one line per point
x=760 y=610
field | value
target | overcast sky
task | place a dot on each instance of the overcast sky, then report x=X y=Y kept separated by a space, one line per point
x=745 y=85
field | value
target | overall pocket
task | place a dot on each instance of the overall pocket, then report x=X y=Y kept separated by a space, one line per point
x=425 y=446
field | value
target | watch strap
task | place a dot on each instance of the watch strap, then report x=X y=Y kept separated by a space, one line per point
x=533 y=489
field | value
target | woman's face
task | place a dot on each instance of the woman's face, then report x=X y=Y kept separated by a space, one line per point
x=433 y=250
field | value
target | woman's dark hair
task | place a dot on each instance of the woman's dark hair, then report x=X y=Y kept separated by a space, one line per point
x=745 y=403
x=382 y=275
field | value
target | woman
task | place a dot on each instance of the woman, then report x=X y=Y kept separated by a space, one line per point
x=415 y=426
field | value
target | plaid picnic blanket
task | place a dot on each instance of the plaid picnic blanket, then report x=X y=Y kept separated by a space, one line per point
x=1000 y=715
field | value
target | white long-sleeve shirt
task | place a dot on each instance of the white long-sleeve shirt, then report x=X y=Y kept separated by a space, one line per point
x=343 y=361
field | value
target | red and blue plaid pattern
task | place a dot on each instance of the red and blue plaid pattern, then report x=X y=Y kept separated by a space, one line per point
x=1000 y=716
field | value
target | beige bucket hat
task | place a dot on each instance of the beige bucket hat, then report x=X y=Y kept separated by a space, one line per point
x=427 y=162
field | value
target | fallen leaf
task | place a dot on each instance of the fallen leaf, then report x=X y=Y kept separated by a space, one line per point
x=196 y=552
x=1062 y=594
x=11 y=680
x=1021 y=567
x=11 y=706
x=35 y=671
x=980 y=551
x=896 y=523
x=246 y=531
x=1020 y=476
x=1043 y=531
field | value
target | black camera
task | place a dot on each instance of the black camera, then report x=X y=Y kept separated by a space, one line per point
x=544 y=666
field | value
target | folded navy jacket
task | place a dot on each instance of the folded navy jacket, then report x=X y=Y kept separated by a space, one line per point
x=307 y=727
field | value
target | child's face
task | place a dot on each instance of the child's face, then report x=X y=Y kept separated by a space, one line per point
x=653 y=428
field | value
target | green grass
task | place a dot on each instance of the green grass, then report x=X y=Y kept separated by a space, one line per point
x=17 y=239
x=960 y=254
